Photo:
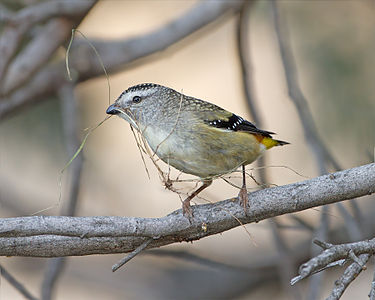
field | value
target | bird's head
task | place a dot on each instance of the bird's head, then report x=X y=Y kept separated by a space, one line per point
x=139 y=104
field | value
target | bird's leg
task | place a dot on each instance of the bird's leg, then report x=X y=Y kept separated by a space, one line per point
x=186 y=209
x=243 y=191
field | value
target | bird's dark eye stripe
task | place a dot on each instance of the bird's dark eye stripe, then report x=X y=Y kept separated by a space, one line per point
x=137 y=99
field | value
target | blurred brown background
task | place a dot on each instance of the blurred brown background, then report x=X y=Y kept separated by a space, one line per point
x=334 y=45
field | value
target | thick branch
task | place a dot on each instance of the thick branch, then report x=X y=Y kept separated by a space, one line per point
x=62 y=236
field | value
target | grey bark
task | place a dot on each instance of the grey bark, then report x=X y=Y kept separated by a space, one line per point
x=52 y=236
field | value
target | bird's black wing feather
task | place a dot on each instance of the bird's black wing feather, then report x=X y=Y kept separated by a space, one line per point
x=236 y=123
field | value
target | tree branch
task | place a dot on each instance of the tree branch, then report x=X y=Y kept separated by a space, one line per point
x=349 y=275
x=334 y=253
x=62 y=236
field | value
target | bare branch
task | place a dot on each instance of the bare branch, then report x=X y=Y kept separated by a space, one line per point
x=337 y=252
x=16 y=284
x=62 y=236
x=133 y=254
x=349 y=275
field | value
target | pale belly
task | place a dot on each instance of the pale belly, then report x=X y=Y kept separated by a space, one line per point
x=205 y=155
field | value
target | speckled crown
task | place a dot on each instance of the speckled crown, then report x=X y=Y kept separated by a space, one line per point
x=142 y=87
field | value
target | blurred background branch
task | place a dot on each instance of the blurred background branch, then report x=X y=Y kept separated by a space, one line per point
x=16 y=284
x=71 y=124
x=321 y=153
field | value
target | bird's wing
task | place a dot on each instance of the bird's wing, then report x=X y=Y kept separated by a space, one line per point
x=230 y=121
x=218 y=117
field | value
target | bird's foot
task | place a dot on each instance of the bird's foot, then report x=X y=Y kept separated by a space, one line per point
x=186 y=210
x=244 y=199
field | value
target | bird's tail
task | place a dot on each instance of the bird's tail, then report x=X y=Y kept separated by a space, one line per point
x=270 y=142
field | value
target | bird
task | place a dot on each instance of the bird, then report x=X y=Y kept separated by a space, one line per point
x=192 y=135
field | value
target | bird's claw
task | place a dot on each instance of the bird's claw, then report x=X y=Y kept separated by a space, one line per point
x=187 y=211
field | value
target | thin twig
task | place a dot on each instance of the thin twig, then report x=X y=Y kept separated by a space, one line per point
x=322 y=244
x=336 y=252
x=339 y=262
x=133 y=254
x=351 y=273
x=16 y=284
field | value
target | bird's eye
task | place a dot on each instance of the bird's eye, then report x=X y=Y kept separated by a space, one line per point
x=137 y=99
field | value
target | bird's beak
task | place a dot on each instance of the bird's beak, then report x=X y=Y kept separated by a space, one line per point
x=113 y=110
